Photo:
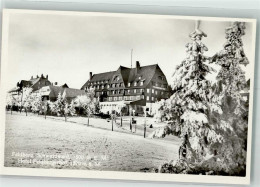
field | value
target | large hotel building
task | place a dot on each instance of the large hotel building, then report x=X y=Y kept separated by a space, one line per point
x=134 y=88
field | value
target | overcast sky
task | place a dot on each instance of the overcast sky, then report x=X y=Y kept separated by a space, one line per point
x=68 y=47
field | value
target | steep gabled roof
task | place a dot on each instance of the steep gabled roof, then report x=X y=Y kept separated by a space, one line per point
x=145 y=72
x=129 y=75
x=103 y=76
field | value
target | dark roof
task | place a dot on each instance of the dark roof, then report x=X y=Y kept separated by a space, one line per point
x=146 y=73
x=103 y=76
x=65 y=86
x=128 y=75
x=70 y=92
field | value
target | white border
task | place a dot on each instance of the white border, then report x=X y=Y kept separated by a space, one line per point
x=113 y=174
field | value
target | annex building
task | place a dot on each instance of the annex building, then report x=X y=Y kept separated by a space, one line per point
x=134 y=89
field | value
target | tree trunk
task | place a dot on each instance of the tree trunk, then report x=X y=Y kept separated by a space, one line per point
x=11 y=110
x=65 y=117
x=112 y=124
x=121 y=121
x=88 y=119
x=26 y=112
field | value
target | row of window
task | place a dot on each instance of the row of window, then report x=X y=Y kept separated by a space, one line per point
x=126 y=98
x=140 y=83
x=115 y=85
x=130 y=98
x=153 y=91
x=159 y=84
x=118 y=85
x=135 y=91
x=148 y=98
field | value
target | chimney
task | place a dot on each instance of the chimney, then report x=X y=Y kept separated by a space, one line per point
x=42 y=76
x=90 y=75
x=31 y=77
x=137 y=66
x=47 y=77
x=56 y=83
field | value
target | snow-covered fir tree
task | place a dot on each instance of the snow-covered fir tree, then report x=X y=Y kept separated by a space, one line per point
x=191 y=108
x=191 y=103
x=230 y=82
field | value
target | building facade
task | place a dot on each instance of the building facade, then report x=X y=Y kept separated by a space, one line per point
x=35 y=83
x=133 y=88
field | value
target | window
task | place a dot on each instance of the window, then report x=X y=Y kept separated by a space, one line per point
x=135 y=84
x=141 y=83
x=162 y=93
x=116 y=78
x=134 y=90
x=152 y=90
x=147 y=98
x=156 y=92
x=128 y=91
x=108 y=86
x=115 y=98
x=129 y=84
x=148 y=90
x=152 y=98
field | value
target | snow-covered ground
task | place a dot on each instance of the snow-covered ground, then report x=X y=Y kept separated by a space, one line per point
x=32 y=141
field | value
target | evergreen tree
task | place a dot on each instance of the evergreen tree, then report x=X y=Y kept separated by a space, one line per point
x=191 y=108
x=230 y=82
x=192 y=101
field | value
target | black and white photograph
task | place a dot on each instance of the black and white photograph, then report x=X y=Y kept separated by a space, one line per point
x=127 y=96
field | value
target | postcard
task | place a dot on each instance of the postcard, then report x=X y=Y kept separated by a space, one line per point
x=127 y=96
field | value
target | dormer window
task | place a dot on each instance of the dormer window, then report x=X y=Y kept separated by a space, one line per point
x=129 y=84
x=135 y=83
x=139 y=77
x=141 y=83
x=116 y=78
